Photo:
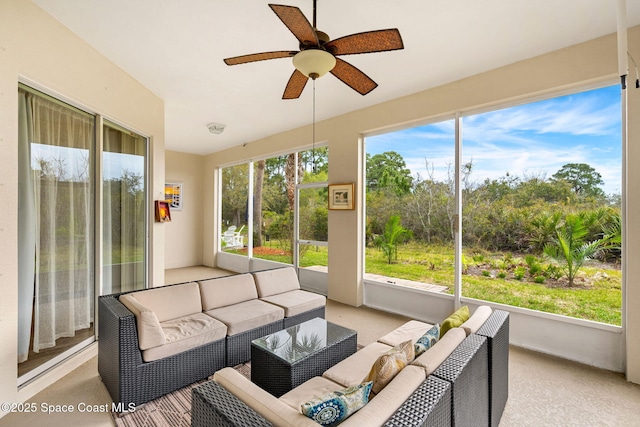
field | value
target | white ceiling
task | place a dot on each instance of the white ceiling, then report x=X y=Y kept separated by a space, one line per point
x=175 y=48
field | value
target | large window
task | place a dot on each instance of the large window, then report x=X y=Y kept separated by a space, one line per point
x=235 y=208
x=541 y=205
x=540 y=190
x=270 y=202
x=411 y=207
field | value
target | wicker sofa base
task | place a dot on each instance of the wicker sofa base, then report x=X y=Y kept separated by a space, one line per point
x=303 y=317
x=461 y=392
x=127 y=377
x=239 y=345
x=130 y=380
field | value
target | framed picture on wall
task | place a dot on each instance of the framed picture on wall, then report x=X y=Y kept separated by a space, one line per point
x=163 y=212
x=341 y=197
x=173 y=195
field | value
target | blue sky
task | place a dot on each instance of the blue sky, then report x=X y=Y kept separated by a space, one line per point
x=534 y=139
x=75 y=160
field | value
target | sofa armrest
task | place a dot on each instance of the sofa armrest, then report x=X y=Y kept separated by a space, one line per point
x=119 y=352
x=496 y=330
x=264 y=404
x=429 y=405
x=213 y=405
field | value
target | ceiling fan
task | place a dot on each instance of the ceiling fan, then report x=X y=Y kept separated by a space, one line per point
x=319 y=54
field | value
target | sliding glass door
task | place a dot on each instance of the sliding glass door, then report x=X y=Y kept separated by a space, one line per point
x=56 y=228
x=64 y=253
x=124 y=210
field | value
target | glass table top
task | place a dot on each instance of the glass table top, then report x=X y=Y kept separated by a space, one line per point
x=299 y=341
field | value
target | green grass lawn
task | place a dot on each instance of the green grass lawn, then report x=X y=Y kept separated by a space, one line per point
x=597 y=295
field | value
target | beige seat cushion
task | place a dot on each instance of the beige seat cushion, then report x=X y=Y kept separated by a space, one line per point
x=296 y=302
x=381 y=407
x=412 y=330
x=354 y=369
x=434 y=356
x=246 y=315
x=477 y=319
x=272 y=409
x=277 y=281
x=228 y=290
x=315 y=387
x=186 y=333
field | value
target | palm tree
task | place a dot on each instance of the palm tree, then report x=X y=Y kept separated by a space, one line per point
x=569 y=248
x=394 y=233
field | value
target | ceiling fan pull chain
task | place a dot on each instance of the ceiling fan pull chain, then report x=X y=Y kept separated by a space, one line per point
x=313 y=142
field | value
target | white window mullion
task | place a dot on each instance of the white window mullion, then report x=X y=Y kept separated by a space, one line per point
x=458 y=215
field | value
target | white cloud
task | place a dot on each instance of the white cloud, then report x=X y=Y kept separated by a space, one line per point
x=533 y=139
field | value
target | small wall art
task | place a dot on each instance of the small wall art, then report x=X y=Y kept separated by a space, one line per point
x=163 y=212
x=341 y=197
x=173 y=195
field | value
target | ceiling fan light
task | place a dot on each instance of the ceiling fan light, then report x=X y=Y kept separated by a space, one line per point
x=314 y=62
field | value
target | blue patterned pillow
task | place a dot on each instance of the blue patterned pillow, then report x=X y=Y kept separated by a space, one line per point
x=427 y=341
x=335 y=407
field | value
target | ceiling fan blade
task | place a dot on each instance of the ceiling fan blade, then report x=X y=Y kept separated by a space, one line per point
x=353 y=77
x=367 y=42
x=259 y=57
x=295 y=86
x=297 y=23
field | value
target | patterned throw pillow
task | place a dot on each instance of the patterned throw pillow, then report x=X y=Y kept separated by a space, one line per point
x=455 y=320
x=427 y=341
x=333 y=408
x=389 y=364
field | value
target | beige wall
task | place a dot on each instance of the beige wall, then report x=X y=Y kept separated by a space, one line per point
x=36 y=49
x=590 y=63
x=183 y=235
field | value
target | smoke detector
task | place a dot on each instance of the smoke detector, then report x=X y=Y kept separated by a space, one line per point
x=216 y=128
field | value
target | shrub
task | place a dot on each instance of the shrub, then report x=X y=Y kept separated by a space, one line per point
x=539 y=279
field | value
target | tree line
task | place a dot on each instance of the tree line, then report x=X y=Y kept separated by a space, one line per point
x=511 y=213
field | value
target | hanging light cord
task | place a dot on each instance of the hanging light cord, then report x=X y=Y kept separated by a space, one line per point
x=313 y=142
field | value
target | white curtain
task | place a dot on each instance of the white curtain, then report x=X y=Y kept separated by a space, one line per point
x=26 y=228
x=124 y=202
x=60 y=140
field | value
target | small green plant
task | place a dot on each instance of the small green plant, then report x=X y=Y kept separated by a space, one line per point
x=502 y=275
x=570 y=248
x=519 y=273
x=539 y=279
x=553 y=272
x=478 y=258
x=394 y=234
x=534 y=265
x=486 y=273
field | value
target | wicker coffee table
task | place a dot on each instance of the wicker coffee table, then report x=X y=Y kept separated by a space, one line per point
x=285 y=359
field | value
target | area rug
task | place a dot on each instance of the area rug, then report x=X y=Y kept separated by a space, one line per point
x=170 y=410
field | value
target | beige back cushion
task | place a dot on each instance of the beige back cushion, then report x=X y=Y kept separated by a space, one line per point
x=171 y=302
x=477 y=319
x=226 y=291
x=268 y=406
x=150 y=333
x=438 y=353
x=272 y=282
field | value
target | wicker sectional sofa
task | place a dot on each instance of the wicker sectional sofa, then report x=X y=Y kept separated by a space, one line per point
x=155 y=341
x=462 y=380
